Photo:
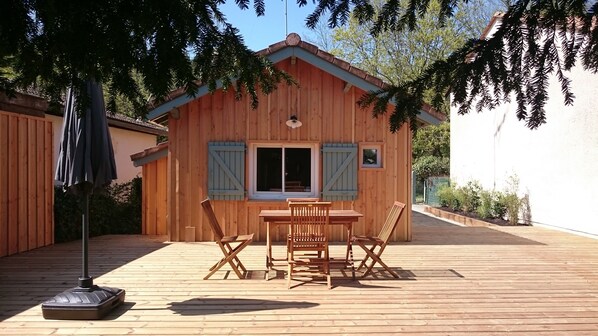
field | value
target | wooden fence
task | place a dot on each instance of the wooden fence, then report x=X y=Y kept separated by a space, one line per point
x=26 y=183
x=154 y=197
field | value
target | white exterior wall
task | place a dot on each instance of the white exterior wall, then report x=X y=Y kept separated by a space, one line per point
x=557 y=164
x=124 y=142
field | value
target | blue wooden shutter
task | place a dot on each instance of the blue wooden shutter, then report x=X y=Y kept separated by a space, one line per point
x=226 y=170
x=339 y=170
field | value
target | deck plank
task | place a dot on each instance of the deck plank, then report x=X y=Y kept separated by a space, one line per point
x=454 y=280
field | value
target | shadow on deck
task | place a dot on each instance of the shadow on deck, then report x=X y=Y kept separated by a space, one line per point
x=30 y=278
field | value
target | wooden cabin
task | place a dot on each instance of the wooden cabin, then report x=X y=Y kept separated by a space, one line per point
x=248 y=159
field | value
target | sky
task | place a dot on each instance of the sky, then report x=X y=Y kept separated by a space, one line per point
x=260 y=32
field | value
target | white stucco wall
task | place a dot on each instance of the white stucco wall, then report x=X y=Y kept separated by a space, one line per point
x=557 y=164
x=124 y=142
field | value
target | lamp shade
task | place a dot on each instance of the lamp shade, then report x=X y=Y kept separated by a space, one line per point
x=293 y=122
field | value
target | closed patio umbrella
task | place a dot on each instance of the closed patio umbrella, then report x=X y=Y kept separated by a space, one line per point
x=85 y=165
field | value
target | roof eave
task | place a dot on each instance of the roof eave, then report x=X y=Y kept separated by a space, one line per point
x=136 y=127
x=150 y=154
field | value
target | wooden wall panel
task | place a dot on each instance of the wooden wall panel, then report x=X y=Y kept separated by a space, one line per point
x=203 y=232
x=144 y=195
x=162 y=177
x=194 y=166
x=173 y=171
x=152 y=183
x=154 y=197
x=26 y=183
x=320 y=101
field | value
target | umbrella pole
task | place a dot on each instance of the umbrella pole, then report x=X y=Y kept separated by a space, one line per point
x=87 y=301
x=85 y=281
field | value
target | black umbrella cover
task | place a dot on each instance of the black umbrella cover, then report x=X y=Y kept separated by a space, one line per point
x=86 y=159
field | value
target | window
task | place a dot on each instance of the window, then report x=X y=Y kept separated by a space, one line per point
x=278 y=171
x=370 y=155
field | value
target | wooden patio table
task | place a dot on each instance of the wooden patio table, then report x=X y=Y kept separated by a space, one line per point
x=283 y=217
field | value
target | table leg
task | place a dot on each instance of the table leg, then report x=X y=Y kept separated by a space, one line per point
x=268 y=251
x=349 y=234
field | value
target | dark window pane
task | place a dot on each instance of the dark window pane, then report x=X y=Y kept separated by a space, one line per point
x=370 y=156
x=297 y=169
x=269 y=169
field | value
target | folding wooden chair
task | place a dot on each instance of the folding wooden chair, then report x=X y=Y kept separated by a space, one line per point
x=308 y=253
x=370 y=243
x=224 y=242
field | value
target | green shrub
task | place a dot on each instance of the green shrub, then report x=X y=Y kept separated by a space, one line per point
x=488 y=204
x=484 y=210
x=447 y=197
x=67 y=216
x=469 y=196
x=117 y=210
x=512 y=204
x=499 y=206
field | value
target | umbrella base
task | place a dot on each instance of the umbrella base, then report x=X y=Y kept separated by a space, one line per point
x=83 y=303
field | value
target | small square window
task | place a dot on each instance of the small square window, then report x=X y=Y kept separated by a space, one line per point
x=371 y=156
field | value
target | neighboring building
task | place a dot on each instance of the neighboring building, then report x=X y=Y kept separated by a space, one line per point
x=557 y=163
x=247 y=160
x=128 y=136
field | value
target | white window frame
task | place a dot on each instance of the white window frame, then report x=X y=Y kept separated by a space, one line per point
x=276 y=195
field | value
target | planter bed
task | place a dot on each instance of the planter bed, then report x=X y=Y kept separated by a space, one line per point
x=465 y=219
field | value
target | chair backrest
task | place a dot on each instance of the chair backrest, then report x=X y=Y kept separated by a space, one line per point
x=216 y=229
x=309 y=221
x=302 y=199
x=392 y=220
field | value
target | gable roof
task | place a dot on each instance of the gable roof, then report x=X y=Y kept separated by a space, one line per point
x=293 y=46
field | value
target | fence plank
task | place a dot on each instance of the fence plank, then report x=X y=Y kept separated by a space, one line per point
x=13 y=232
x=40 y=185
x=22 y=184
x=49 y=183
x=31 y=185
x=3 y=185
x=26 y=193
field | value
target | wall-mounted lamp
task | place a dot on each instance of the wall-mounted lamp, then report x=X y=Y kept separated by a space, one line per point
x=175 y=113
x=293 y=122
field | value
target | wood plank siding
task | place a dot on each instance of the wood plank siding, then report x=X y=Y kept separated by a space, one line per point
x=329 y=114
x=154 y=197
x=26 y=183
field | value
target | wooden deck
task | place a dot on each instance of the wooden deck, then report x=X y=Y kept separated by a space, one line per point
x=454 y=281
